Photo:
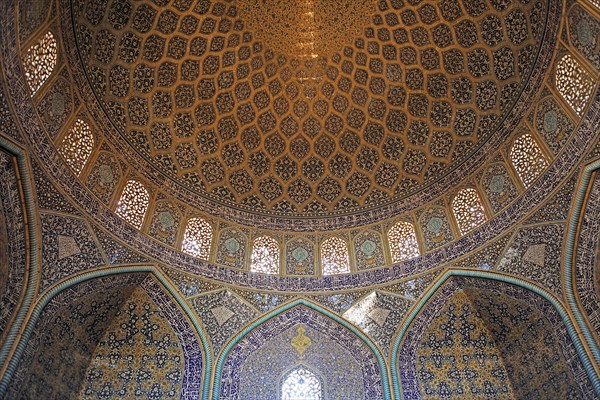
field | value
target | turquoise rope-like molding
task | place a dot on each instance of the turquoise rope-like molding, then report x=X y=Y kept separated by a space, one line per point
x=274 y=313
x=571 y=242
x=571 y=329
x=100 y=273
x=33 y=271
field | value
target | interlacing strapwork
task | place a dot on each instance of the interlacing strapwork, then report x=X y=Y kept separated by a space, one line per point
x=76 y=148
x=197 y=238
x=573 y=83
x=133 y=203
x=468 y=210
x=265 y=255
x=334 y=257
x=40 y=61
x=301 y=383
x=527 y=159
x=403 y=242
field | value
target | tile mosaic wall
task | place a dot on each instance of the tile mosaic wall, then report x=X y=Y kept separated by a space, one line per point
x=347 y=366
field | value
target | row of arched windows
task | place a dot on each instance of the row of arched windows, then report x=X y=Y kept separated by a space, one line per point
x=525 y=155
x=467 y=208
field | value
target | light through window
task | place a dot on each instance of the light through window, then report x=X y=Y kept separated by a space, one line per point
x=197 y=238
x=468 y=210
x=301 y=384
x=40 y=61
x=573 y=83
x=527 y=158
x=133 y=203
x=77 y=146
x=334 y=256
x=265 y=255
x=403 y=242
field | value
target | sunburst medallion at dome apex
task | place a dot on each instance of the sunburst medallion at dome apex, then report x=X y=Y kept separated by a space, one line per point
x=306 y=29
x=226 y=109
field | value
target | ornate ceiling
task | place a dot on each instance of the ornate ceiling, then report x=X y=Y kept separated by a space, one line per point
x=307 y=110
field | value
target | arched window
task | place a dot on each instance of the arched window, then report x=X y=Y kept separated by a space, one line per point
x=573 y=83
x=334 y=256
x=197 y=238
x=265 y=255
x=76 y=148
x=527 y=158
x=133 y=203
x=40 y=61
x=467 y=209
x=403 y=242
x=301 y=384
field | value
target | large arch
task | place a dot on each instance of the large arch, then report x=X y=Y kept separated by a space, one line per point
x=406 y=382
x=288 y=316
x=197 y=354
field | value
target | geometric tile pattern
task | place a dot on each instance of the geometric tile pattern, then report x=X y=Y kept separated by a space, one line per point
x=222 y=314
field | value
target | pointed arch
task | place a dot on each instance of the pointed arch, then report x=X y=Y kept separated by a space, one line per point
x=282 y=310
x=166 y=285
x=570 y=326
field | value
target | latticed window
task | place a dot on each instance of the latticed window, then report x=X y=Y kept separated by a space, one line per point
x=40 y=61
x=467 y=209
x=573 y=83
x=76 y=148
x=301 y=384
x=265 y=255
x=403 y=242
x=527 y=158
x=133 y=203
x=197 y=238
x=334 y=256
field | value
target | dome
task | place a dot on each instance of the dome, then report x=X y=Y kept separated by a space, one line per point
x=316 y=199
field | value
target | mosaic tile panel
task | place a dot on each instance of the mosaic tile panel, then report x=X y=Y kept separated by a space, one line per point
x=535 y=253
x=300 y=257
x=165 y=222
x=379 y=315
x=137 y=356
x=189 y=285
x=348 y=367
x=231 y=250
x=7 y=123
x=499 y=187
x=13 y=270
x=115 y=252
x=556 y=208
x=435 y=227
x=32 y=14
x=104 y=176
x=502 y=313
x=66 y=334
x=368 y=250
x=587 y=274
x=413 y=288
x=68 y=247
x=263 y=301
x=584 y=30
x=47 y=194
x=222 y=314
x=337 y=303
x=486 y=258
x=553 y=123
x=456 y=356
x=56 y=106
